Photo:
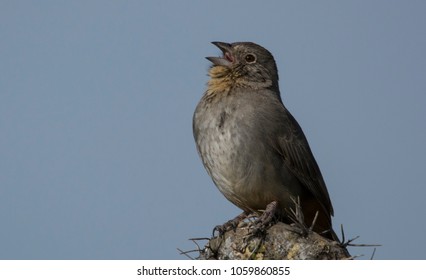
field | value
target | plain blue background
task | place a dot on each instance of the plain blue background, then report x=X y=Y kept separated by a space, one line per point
x=97 y=158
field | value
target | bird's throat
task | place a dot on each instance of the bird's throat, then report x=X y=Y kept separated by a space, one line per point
x=221 y=80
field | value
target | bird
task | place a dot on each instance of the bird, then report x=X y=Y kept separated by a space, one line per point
x=252 y=147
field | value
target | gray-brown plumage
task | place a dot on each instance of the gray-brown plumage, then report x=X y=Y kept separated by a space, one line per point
x=250 y=144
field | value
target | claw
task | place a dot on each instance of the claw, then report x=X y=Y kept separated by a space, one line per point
x=220 y=229
x=231 y=224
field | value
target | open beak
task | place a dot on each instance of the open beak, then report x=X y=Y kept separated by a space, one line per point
x=227 y=59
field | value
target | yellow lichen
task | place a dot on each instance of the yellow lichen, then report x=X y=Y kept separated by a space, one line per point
x=293 y=252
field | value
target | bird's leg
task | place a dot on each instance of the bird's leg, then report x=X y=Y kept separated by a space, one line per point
x=269 y=213
x=231 y=224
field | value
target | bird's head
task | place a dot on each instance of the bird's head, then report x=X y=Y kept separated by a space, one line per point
x=245 y=63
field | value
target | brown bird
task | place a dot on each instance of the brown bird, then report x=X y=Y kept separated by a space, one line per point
x=250 y=144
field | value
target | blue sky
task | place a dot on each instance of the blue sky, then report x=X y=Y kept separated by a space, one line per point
x=97 y=158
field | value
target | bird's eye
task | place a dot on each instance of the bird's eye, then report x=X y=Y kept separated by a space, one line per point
x=250 y=58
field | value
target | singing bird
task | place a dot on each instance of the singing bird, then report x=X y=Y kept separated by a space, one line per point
x=251 y=146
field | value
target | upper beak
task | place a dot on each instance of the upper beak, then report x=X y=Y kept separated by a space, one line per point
x=227 y=58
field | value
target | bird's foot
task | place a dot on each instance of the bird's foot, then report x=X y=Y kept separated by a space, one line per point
x=265 y=219
x=231 y=224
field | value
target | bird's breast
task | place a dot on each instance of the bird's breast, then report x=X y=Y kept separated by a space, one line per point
x=226 y=137
x=218 y=141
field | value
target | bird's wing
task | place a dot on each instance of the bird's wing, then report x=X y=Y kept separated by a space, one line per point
x=298 y=157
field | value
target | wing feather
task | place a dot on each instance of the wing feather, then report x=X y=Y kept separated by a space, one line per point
x=298 y=157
